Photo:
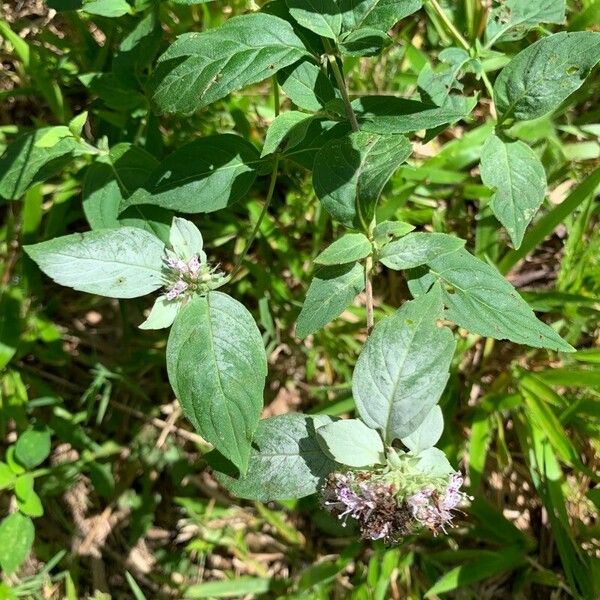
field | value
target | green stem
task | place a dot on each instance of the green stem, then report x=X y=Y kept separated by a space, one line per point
x=275 y=95
x=339 y=77
x=369 y=292
x=263 y=212
x=449 y=25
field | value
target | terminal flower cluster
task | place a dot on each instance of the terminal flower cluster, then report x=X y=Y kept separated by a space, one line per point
x=188 y=277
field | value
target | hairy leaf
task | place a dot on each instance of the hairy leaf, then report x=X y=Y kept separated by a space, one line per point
x=118 y=263
x=286 y=460
x=331 y=291
x=403 y=368
x=350 y=174
x=350 y=442
x=200 y=68
x=515 y=173
x=542 y=76
x=217 y=366
x=428 y=433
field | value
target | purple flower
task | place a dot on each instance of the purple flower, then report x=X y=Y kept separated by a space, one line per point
x=176 y=289
x=194 y=265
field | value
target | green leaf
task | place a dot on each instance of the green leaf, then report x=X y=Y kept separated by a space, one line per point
x=286 y=460
x=77 y=123
x=515 y=173
x=232 y=588
x=286 y=131
x=200 y=68
x=217 y=366
x=33 y=447
x=428 y=433
x=416 y=249
x=186 y=240
x=162 y=314
x=349 y=248
x=28 y=501
x=483 y=302
x=403 y=368
x=17 y=533
x=332 y=289
x=24 y=163
x=203 y=176
x=118 y=263
x=350 y=173
x=7 y=476
x=364 y=42
x=434 y=462
x=106 y=8
x=542 y=76
x=319 y=16
x=437 y=86
x=386 y=231
x=377 y=14
x=350 y=442
x=512 y=19
x=306 y=85
x=388 y=114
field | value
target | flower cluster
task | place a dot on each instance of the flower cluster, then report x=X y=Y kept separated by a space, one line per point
x=385 y=509
x=192 y=276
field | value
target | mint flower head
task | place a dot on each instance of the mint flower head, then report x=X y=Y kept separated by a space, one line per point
x=186 y=272
x=394 y=501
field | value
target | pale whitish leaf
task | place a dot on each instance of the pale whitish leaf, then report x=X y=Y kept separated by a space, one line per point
x=427 y=433
x=543 y=75
x=377 y=14
x=434 y=462
x=349 y=248
x=319 y=16
x=517 y=177
x=217 y=366
x=350 y=442
x=512 y=19
x=162 y=314
x=286 y=131
x=17 y=533
x=200 y=68
x=416 y=249
x=306 y=85
x=403 y=368
x=186 y=240
x=24 y=163
x=388 y=114
x=332 y=289
x=118 y=263
x=350 y=173
x=483 y=302
x=286 y=460
x=203 y=176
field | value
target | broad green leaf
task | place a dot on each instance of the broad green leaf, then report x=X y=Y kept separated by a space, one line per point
x=28 y=501
x=483 y=302
x=106 y=8
x=319 y=16
x=186 y=240
x=217 y=366
x=542 y=76
x=330 y=292
x=512 y=19
x=162 y=314
x=17 y=533
x=32 y=447
x=286 y=131
x=77 y=123
x=203 y=176
x=7 y=476
x=118 y=263
x=416 y=249
x=306 y=85
x=112 y=179
x=386 y=231
x=349 y=248
x=377 y=14
x=350 y=173
x=437 y=85
x=403 y=368
x=24 y=163
x=350 y=442
x=434 y=462
x=515 y=173
x=428 y=433
x=388 y=114
x=364 y=42
x=200 y=68
x=229 y=588
x=286 y=460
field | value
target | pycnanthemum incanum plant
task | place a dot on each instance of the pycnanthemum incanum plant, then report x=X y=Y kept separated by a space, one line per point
x=216 y=358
